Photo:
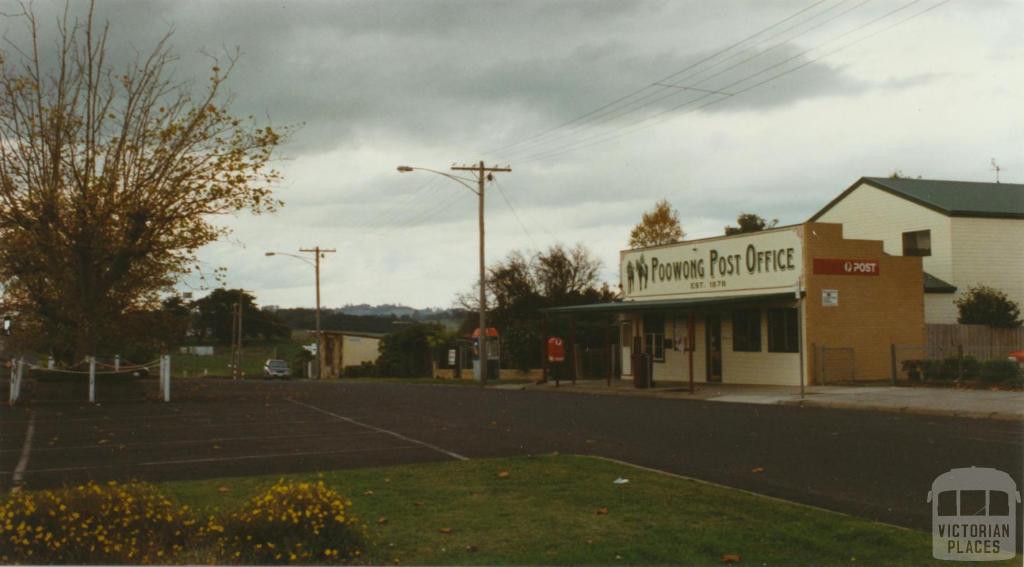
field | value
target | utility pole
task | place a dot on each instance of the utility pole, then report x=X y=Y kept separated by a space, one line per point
x=484 y=174
x=236 y=335
x=318 y=253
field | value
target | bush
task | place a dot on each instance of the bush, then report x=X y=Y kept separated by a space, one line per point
x=983 y=305
x=999 y=370
x=93 y=523
x=293 y=522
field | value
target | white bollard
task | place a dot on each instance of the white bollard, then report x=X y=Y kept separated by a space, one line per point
x=21 y=376
x=49 y=363
x=14 y=384
x=92 y=379
x=167 y=377
x=117 y=362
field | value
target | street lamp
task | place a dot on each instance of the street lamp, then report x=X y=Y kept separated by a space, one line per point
x=318 y=252
x=484 y=174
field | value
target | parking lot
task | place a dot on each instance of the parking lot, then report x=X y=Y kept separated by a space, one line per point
x=870 y=464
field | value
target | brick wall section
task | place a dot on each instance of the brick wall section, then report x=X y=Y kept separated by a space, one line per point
x=874 y=312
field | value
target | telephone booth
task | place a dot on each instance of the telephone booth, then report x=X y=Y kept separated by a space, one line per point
x=493 y=354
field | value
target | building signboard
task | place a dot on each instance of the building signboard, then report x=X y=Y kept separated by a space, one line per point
x=845 y=267
x=743 y=265
x=829 y=297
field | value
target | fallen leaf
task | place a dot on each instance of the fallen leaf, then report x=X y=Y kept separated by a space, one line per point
x=731 y=558
x=445 y=530
x=382 y=520
x=216 y=446
x=503 y=474
x=368 y=492
x=471 y=548
x=222 y=489
x=418 y=503
x=101 y=441
x=757 y=470
x=602 y=511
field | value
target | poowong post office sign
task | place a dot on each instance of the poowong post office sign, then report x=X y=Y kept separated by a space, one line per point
x=753 y=263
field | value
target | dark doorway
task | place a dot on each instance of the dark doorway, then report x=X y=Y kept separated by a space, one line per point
x=714 y=347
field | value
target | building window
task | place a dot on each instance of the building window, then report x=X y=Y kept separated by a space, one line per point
x=654 y=337
x=746 y=330
x=782 y=330
x=917 y=243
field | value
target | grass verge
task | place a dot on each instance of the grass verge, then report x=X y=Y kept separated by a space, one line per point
x=566 y=510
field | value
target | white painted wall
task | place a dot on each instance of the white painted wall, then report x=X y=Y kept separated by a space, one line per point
x=778 y=368
x=872 y=214
x=939 y=308
x=989 y=252
x=357 y=350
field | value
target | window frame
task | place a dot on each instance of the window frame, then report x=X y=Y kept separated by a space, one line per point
x=912 y=240
x=746 y=330
x=654 y=336
x=789 y=320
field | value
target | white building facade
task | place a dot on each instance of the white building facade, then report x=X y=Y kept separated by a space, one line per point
x=966 y=234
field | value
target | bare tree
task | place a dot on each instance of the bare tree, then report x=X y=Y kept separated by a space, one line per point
x=110 y=178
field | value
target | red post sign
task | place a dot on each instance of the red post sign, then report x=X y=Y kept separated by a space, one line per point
x=556 y=350
x=845 y=267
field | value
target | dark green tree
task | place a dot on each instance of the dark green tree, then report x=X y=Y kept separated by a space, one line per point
x=983 y=305
x=215 y=315
x=410 y=352
x=750 y=222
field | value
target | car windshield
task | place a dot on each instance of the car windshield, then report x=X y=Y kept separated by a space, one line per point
x=277 y=364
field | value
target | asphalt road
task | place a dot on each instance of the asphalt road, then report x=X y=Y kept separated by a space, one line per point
x=869 y=464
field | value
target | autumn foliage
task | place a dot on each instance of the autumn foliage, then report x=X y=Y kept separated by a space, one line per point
x=110 y=178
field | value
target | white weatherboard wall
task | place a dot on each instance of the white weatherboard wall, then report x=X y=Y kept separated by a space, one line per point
x=872 y=214
x=357 y=350
x=990 y=252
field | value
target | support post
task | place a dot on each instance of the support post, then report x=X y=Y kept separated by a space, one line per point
x=800 y=334
x=13 y=396
x=49 y=362
x=608 y=355
x=892 y=362
x=691 y=343
x=92 y=379
x=544 y=349
x=959 y=362
x=117 y=362
x=167 y=377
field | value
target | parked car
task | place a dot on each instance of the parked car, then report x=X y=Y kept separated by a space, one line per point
x=276 y=368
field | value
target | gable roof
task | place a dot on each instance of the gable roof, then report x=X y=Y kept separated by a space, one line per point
x=951 y=198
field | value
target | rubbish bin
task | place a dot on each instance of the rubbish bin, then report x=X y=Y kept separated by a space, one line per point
x=641 y=370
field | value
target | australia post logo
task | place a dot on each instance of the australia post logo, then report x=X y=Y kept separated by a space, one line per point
x=974 y=515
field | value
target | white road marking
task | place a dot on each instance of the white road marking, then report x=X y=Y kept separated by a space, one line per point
x=26 y=449
x=381 y=430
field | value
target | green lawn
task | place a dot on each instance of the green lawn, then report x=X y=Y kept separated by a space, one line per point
x=219 y=364
x=566 y=510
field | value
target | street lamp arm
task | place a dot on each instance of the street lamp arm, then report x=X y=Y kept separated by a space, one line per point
x=296 y=256
x=461 y=180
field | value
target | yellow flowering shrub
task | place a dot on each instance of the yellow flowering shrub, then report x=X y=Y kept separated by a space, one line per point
x=294 y=522
x=96 y=523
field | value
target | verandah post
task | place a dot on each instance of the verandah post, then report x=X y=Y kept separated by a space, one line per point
x=92 y=379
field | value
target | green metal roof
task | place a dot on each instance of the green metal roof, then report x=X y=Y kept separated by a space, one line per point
x=933 y=284
x=953 y=198
x=667 y=304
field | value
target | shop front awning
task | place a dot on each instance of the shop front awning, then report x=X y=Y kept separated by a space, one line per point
x=667 y=304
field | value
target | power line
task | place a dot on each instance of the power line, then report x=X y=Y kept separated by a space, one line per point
x=651 y=121
x=515 y=214
x=673 y=90
x=663 y=79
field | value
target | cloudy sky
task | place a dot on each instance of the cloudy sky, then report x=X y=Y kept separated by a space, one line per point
x=600 y=108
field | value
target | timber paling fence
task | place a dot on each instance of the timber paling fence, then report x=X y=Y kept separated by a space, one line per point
x=979 y=341
x=93 y=370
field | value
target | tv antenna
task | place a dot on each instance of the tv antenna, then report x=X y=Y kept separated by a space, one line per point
x=996 y=168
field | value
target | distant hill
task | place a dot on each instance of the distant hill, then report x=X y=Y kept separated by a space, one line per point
x=365 y=318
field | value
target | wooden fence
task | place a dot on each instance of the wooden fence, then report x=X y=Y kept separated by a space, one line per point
x=980 y=341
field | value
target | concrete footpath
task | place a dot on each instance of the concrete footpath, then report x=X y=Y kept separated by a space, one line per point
x=983 y=404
